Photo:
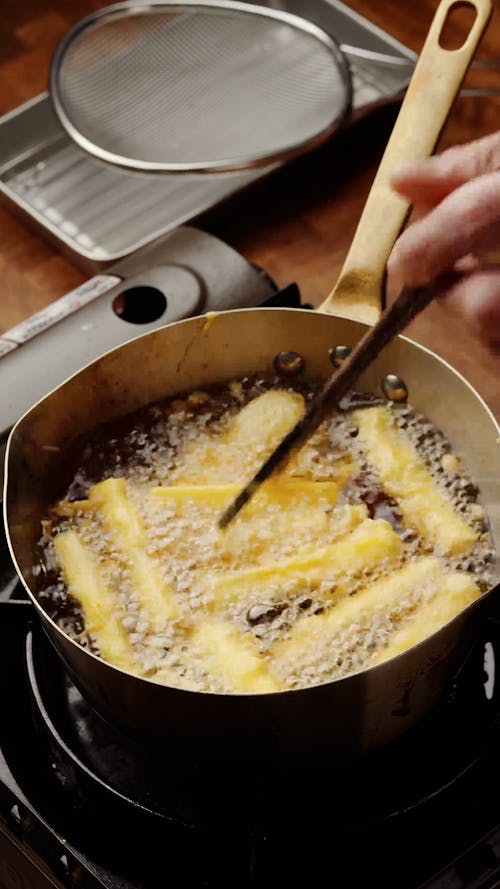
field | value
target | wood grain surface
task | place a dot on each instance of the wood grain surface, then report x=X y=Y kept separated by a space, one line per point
x=296 y=224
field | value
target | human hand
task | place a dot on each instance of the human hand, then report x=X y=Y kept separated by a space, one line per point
x=457 y=194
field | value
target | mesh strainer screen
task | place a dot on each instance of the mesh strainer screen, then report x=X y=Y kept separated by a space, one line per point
x=194 y=87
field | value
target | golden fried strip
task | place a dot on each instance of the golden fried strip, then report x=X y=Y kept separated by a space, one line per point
x=265 y=419
x=395 y=597
x=370 y=544
x=85 y=584
x=155 y=596
x=248 y=438
x=404 y=477
x=255 y=536
x=70 y=509
x=294 y=509
x=282 y=493
x=232 y=658
x=454 y=593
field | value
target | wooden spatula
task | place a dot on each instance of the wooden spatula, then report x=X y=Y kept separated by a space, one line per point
x=435 y=83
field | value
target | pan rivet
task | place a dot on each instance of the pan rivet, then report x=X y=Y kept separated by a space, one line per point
x=288 y=364
x=339 y=354
x=394 y=388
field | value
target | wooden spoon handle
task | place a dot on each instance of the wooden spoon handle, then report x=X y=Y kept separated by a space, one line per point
x=436 y=81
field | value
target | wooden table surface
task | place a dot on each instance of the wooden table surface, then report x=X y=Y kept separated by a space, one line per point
x=297 y=224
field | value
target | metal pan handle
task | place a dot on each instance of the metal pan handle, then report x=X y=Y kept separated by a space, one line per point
x=437 y=78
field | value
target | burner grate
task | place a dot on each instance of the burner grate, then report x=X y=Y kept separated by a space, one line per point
x=129 y=830
x=404 y=777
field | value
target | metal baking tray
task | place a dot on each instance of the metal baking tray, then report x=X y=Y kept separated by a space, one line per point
x=98 y=214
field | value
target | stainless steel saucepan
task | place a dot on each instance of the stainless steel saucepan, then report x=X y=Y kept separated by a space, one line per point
x=349 y=716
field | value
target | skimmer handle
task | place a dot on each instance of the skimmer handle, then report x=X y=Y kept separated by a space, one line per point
x=438 y=75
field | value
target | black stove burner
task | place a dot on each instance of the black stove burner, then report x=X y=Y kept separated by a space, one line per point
x=405 y=775
x=134 y=820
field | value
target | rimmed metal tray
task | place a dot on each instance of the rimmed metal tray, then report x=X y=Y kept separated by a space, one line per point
x=98 y=214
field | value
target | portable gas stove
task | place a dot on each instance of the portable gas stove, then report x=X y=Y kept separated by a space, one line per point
x=81 y=806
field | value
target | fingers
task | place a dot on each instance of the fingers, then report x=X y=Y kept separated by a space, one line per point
x=465 y=222
x=460 y=191
x=428 y=182
x=477 y=297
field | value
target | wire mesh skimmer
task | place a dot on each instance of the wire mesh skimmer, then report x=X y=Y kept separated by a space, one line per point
x=197 y=87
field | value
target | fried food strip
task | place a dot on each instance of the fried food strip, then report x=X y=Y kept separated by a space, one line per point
x=258 y=538
x=404 y=476
x=295 y=510
x=71 y=509
x=247 y=439
x=456 y=591
x=86 y=585
x=232 y=658
x=370 y=544
x=384 y=604
x=110 y=499
x=265 y=419
x=282 y=493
